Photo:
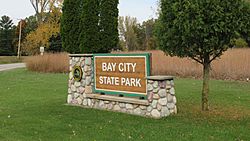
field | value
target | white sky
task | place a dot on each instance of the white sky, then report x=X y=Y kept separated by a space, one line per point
x=141 y=9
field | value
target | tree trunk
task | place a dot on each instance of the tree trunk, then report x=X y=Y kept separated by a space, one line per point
x=205 y=90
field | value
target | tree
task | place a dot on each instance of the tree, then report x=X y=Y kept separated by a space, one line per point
x=199 y=29
x=40 y=7
x=127 y=29
x=150 y=40
x=90 y=26
x=145 y=35
x=6 y=36
x=70 y=25
x=137 y=36
x=245 y=32
x=141 y=36
x=108 y=25
x=41 y=36
x=55 y=44
x=28 y=25
x=89 y=38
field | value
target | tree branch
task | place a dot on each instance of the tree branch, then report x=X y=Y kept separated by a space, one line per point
x=197 y=60
x=216 y=55
x=34 y=5
x=37 y=7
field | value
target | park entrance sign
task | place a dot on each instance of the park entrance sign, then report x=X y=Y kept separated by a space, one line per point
x=120 y=83
x=123 y=74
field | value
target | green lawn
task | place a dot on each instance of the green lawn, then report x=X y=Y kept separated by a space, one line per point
x=11 y=59
x=32 y=108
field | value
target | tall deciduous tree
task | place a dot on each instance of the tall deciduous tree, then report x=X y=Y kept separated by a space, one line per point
x=40 y=7
x=41 y=36
x=127 y=29
x=199 y=29
x=136 y=36
x=108 y=25
x=70 y=22
x=28 y=25
x=150 y=40
x=6 y=36
x=141 y=36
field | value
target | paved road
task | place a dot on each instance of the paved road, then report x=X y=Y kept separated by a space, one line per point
x=4 y=67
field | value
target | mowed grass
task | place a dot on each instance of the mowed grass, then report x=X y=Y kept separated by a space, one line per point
x=11 y=59
x=32 y=107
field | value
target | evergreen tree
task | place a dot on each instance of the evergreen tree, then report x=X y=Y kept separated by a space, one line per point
x=108 y=25
x=70 y=25
x=55 y=44
x=90 y=26
x=6 y=36
x=89 y=36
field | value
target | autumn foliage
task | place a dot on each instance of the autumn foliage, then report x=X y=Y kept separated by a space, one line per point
x=41 y=35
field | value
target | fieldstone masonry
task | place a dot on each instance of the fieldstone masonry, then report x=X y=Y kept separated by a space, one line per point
x=161 y=100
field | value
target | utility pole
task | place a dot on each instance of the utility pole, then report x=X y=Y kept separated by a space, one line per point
x=19 y=43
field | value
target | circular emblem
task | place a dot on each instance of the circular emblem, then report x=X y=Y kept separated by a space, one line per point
x=77 y=73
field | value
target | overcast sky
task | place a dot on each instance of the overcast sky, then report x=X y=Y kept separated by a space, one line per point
x=141 y=9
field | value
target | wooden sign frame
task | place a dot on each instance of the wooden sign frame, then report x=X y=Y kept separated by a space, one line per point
x=147 y=57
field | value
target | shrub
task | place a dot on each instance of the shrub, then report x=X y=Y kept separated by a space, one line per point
x=240 y=43
x=48 y=63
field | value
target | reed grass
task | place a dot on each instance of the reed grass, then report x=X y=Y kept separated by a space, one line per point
x=48 y=63
x=234 y=64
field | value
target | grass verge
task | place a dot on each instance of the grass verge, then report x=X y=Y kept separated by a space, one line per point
x=32 y=108
x=11 y=59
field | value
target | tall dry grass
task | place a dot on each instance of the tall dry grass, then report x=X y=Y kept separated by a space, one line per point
x=48 y=63
x=233 y=64
x=181 y=67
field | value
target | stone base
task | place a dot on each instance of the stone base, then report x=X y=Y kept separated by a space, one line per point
x=155 y=110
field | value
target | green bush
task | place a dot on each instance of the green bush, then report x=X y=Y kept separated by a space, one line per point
x=240 y=43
